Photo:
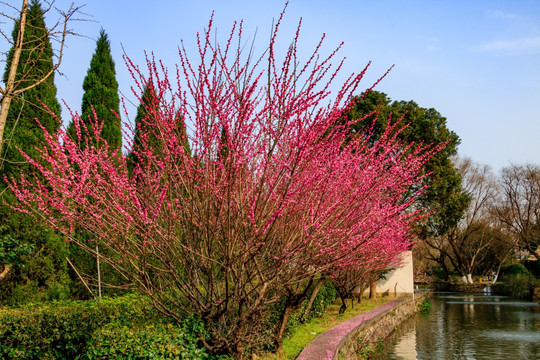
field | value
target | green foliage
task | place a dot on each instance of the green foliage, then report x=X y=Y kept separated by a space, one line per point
x=125 y=327
x=517 y=281
x=369 y=351
x=59 y=330
x=43 y=275
x=40 y=275
x=101 y=95
x=444 y=199
x=145 y=120
x=12 y=251
x=533 y=267
x=161 y=341
x=514 y=269
x=425 y=306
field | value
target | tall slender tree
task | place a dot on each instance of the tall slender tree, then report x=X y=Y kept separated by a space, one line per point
x=100 y=109
x=100 y=100
x=41 y=275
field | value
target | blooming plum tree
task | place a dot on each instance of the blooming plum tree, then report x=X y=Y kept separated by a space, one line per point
x=274 y=192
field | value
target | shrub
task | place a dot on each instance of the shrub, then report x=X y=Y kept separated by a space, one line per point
x=514 y=269
x=125 y=327
x=61 y=330
x=160 y=341
x=519 y=284
x=533 y=267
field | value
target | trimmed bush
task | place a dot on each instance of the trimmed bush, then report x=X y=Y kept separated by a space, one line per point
x=160 y=341
x=62 y=330
x=111 y=328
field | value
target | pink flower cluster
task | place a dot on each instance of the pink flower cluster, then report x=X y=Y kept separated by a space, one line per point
x=275 y=190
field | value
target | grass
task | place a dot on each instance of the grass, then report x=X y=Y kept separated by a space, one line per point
x=305 y=333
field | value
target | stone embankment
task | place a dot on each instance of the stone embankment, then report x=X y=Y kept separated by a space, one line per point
x=469 y=288
x=345 y=340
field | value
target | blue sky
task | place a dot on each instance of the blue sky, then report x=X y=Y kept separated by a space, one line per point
x=476 y=62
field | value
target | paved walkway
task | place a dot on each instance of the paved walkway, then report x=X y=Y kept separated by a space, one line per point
x=325 y=346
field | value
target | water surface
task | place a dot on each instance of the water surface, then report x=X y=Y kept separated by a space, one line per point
x=469 y=327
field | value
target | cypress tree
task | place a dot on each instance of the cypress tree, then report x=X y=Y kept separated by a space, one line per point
x=22 y=129
x=145 y=123
x=42 y=274
x=144 y=112
x=100 y=102
x=101 y=94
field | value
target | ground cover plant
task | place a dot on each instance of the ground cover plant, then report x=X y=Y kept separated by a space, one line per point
x=272 y=192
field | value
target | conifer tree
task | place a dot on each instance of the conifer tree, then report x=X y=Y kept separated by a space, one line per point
x=145 y=123
x=101 y=94
x=22 y=129
x=144 y=112
x=42 y=274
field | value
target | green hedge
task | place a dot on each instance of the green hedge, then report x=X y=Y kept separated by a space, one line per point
x=161 y=341
x=124 y=327
x=114 y=328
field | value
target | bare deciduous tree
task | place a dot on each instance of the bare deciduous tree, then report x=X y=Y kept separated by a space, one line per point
x=519 y=210
x=476 y=241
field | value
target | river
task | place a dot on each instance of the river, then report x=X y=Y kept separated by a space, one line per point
x=471 y=327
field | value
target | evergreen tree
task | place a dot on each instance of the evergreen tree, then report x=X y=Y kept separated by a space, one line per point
x=21 y=130
x=143 y=117
x=101 y=95
x=42 y=274
x=100 y=103
x=145 y=124
x=445 y=199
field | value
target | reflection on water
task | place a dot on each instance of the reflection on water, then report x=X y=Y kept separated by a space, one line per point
x=469 y=327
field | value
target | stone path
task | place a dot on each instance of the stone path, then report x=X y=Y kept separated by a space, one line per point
x=325 y=346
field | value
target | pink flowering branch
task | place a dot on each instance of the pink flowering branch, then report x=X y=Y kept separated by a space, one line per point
x=275 y=192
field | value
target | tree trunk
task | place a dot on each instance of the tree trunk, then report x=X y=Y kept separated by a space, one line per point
x=294 y=300
x=6 y=270
x=10 y=82
x=343 y=305
x=4 y=108
x=98 y=271
x=282 y=325
x=373 y=290
x=312 y=297
x=360 y=296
